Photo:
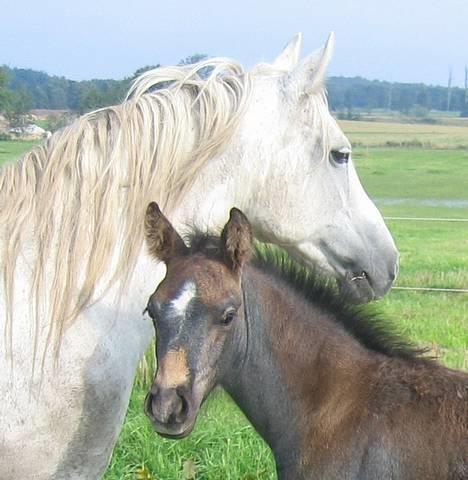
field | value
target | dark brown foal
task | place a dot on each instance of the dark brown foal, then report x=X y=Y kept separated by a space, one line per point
x=334 y=394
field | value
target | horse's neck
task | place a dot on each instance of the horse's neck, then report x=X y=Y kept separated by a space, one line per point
x=218 y=187
x=295 y=371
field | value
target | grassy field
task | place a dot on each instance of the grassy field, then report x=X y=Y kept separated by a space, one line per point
x=415 y=182
x=12 y=150
x=406 y=181
x=380 y=134
x=413 y=174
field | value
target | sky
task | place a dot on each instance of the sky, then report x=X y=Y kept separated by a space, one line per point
x=403 y=41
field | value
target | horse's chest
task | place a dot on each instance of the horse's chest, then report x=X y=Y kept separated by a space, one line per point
x=64 y=426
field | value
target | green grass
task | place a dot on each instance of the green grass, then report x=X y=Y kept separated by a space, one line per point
x=413 y=173
x=433 y=254
x=222 y=446
x=12 y=150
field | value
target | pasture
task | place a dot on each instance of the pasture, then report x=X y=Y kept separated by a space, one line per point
x=410 y=171
x=11 y=150
x=386 y=134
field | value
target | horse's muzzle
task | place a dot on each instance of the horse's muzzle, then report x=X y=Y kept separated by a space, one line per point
x=170 y=410
x=360 y=287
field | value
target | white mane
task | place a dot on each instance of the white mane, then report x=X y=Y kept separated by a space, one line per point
x=86 y=189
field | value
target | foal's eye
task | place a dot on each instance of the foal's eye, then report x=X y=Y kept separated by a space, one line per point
x=228 y=316
x=341 y=156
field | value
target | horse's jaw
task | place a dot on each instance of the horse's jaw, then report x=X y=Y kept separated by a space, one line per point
x=358 y=283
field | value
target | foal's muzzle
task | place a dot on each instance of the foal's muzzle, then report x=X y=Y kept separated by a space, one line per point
x=170 y=410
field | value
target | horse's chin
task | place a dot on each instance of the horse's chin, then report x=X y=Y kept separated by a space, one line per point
x=357 y=289
x=173 y=434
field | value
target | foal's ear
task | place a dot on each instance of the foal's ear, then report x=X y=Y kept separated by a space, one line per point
x=164 y=243
x=236 y=240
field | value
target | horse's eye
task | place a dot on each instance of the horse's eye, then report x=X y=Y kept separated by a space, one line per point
x=228 y=316
x=341 y=156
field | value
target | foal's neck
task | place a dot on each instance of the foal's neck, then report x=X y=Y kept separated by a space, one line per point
x=294 y=372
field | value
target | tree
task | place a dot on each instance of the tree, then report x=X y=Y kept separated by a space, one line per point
x=195 y=58
x=422 y=98
x=91 y=100
x=6 y=95
x=22 y=102
x=144 y=69
x=464 y=112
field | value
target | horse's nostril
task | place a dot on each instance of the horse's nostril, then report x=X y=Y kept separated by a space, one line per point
x=177 y=406
x=167 y=406
x=184 y=407
x=148 y=405
x=359 y=276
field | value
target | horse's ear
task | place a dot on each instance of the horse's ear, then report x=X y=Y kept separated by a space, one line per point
x=311 y=73
x=236 y=240
x=289 y=57
x=164 y=243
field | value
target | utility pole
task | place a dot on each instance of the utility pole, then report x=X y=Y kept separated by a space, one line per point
x=464 y=109
x=449 y=89
x=466 y=87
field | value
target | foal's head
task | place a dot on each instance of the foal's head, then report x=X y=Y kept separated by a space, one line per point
x=194 y=310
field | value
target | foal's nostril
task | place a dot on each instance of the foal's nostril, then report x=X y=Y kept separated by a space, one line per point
x=148 y=405
x=184 y=405
x=167 y=406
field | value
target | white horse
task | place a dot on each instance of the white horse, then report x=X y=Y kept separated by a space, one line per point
x=74 y=268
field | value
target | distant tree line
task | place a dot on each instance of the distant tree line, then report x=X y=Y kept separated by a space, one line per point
x=30 y=89
x=359 y=93
x=25 y=89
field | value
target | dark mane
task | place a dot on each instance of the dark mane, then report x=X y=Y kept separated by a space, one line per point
x=201 y=242
x=363 y=322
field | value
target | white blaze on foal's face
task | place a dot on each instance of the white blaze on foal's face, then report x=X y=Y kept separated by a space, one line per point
x=181 y=302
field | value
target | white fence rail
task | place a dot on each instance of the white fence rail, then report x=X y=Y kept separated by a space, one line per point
x=428 y=219
x=430 y=289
